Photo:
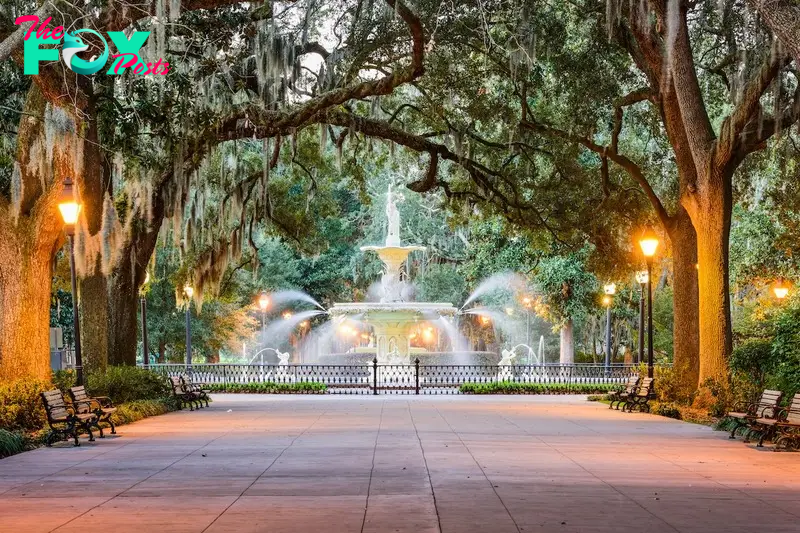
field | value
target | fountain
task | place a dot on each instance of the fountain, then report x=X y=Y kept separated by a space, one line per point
x=393 y=318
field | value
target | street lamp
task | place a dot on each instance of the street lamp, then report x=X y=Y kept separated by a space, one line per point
x=527 y=303
x=143 y=305
x=263 y=303
x=780 y=289
x=649 y=243
x=610 y=289
x=188 y=290
x=641 y=277
x=70 y=208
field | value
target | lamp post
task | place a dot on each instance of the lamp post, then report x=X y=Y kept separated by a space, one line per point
x=143 y=305
x=527 y=303
x=641 y=277
x=263 y=304
x=649 y=243
x=189 y=292
x=70 y=209
x=610 y=289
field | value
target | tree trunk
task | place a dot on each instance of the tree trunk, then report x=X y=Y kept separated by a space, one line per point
x=567 y=346
x=25 y=277
x=712 y=223
x=31 y=231
x=123 y=307
x=685 y=333
x=93 y=287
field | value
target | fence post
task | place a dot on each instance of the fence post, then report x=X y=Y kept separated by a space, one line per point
x=224 y=375
x=569 y=379
x=416 y=373
x=375 y=376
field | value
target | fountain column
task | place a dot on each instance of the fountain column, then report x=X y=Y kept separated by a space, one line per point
x=392 y=342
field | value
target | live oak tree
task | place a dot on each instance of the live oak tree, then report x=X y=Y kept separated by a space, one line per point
x=133 y=144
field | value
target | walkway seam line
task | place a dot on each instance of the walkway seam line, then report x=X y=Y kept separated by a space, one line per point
x=427 y=470
x=372 y=469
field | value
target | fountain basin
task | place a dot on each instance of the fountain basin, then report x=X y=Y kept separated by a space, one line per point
x=392 y=323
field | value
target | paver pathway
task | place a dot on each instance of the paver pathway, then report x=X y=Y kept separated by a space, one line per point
x=403 y=464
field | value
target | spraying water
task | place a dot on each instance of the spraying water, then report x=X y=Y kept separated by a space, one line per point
x=281 y=298
x=504 y=281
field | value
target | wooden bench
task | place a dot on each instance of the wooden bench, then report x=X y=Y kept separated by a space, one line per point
x=99 y=405
x=183 y=395
x=64 y=422
x=767 y=407
x=622 y=395
x=641 y=398
x=784 y=428
x=196 y=388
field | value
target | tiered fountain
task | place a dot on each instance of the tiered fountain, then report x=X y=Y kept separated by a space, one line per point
x=393 y=318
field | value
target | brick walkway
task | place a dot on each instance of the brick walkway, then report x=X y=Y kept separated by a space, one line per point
x=403 y=464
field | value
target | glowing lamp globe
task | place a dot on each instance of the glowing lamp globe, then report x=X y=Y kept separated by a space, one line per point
x=610 y=289
x=188 y=290
x=606 y=300
x=263 y=301
x=649 y=243
x=69 y=207
x=780 y=289
x=642 y=277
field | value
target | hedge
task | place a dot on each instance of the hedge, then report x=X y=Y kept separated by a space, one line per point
x=510 y=387
x=268 y=387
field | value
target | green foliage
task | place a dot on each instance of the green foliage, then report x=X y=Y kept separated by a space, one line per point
x=670 y=410
x=753 y=357
x=568 y=289
x=441 y=283
x=11 y=442
x=127 y=384
x=63 y=380
x=510 y=387
x=138 y=409
x=269 y=387
x=785 y=374
x=663 y=317
x=21 y=405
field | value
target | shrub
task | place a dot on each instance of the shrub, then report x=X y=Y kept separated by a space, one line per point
x=668 y=409
x=510 y=387
x=269 y=387
x=125 y=384
x=21 y=406
x=754 y=358
x=598 y=398
x=11 y=442
x=63 y=380
x=139 y=409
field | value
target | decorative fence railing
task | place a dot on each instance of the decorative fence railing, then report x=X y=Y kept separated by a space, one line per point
x=407 y=379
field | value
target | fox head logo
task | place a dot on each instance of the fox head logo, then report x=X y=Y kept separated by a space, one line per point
x=74 y=44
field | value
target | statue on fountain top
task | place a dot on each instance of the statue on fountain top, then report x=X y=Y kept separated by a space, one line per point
x=393 y=217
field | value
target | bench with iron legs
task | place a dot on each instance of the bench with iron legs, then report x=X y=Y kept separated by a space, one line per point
x=184 y=395
x=196 y=388
x=63 y=420
x=621 y=396
x=783 y=429
x=641 y=398
x=101 y=406
x=744 y=415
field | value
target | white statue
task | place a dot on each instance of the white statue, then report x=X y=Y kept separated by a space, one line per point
x=393 y=217
x=283 y=358
x=504 y=365
x=507 y=358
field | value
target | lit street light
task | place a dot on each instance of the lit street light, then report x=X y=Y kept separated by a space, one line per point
x=649 y=243
x=143 y=304
x=527 y=303
x=641 y=277
x=781 y=289
x=189 y=292
x=263 y=304
x=70 y=209
x=610 y=289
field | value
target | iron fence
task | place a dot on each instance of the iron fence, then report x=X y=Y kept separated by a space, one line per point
x=415 y=378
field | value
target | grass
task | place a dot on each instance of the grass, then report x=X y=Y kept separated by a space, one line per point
x=269 y=387
x=11 y=442
x=509 y=387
